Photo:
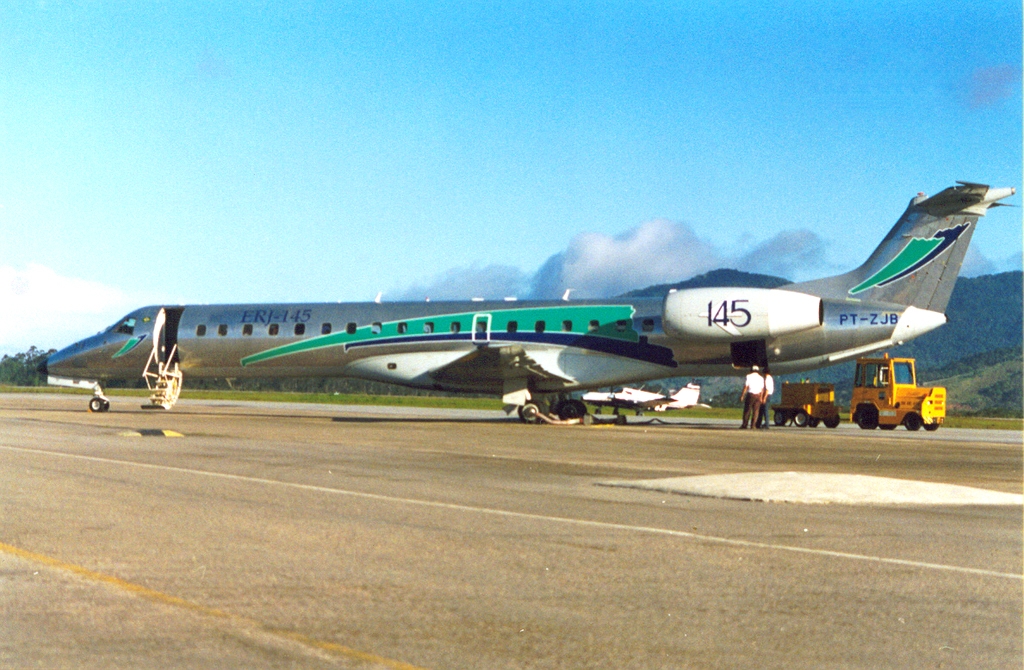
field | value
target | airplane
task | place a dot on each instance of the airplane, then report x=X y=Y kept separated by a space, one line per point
x=533 y=354
x=640 y=400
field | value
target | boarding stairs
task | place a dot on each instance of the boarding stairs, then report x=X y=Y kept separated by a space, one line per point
x=163 y=379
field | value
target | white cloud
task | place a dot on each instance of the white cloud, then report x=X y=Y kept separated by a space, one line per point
x=44 y=309
x=596 y=265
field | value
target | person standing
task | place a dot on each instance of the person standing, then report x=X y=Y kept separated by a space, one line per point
x=753 y=388
x=766 y=394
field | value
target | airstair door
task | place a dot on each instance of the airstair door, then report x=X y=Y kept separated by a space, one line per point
x=165 y=333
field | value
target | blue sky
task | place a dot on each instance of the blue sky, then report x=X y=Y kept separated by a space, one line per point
x=217 y=152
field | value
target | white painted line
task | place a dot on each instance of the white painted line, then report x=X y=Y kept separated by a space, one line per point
x=533 y=517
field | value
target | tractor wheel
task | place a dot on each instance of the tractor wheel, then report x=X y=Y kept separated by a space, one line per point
x=913 y=421
x=800 y=419
x=866 y=417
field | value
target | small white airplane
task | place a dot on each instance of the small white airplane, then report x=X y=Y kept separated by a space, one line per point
x=640 y=400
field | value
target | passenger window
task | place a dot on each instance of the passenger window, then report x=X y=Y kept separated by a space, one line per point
x=539 y=327
x=593 y=325
x=428 y=327
x=647 y=325
x=481 y=326
x=567 y=326
x=456 y=326
x=201 y=330
x=403 y=328
x=858 y=376
x=300 y=329
x=621 y=326
x=350 y=328
x=325 y=329
x=904 y=373
x=222 y=329
x=273 y=329
x=247 y=329
x=512 y=326
x=871 y=375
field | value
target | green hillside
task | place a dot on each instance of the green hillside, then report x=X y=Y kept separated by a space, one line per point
x=988 y=384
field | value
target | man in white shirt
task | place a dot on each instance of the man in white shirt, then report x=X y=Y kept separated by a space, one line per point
x=766 y=394
x=753 y=389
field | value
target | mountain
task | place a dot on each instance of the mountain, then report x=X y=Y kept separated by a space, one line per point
x=722 y=277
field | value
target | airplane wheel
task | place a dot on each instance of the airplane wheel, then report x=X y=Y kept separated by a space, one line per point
x=781 y=418
x=98 y=404
x=800 y=419
x=571 y=409
x=913 y=421
x=866 y=417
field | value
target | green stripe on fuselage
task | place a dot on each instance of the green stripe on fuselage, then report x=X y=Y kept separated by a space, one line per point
x=128 y=346
x=580 y=316
x=911 y=254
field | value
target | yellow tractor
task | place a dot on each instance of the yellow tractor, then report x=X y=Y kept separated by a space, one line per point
x=886 y=395
x=807 y=404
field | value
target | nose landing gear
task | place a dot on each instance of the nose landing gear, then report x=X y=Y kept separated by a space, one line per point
x=99 y=404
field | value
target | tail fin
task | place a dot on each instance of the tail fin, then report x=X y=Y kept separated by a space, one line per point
x=918 y=261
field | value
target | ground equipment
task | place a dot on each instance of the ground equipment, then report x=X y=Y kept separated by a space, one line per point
x=886 y=395
x=807 y=404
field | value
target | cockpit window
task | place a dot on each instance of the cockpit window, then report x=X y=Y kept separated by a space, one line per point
x=126 y=327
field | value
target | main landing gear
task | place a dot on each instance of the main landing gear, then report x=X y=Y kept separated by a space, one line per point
x=561 y=411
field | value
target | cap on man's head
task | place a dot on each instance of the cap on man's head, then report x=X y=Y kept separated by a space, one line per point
x=754 y=368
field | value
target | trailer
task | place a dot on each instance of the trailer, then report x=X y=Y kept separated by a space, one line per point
x=807 y=404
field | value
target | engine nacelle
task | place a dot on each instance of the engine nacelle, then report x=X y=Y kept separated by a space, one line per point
x=717 y=314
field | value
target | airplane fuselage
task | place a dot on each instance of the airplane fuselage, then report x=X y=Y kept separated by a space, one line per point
x=576 y=345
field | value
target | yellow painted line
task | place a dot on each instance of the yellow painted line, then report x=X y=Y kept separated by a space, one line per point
x=166 y=599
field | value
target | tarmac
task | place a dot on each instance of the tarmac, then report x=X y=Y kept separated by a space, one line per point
x=234 y=534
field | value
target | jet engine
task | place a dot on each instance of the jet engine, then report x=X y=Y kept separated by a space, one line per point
x=726 y=314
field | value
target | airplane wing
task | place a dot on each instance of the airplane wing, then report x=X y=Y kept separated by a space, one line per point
x=493 y=366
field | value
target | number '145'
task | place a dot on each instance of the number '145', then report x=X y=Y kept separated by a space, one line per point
x=728 y=314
